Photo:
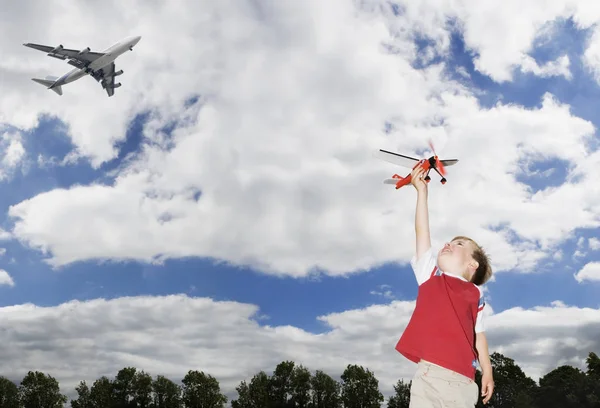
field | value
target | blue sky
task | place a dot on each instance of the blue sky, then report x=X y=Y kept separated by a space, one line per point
x=286 y=300
x=290 y=300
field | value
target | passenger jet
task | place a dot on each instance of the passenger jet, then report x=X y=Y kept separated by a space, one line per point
x=99 y=65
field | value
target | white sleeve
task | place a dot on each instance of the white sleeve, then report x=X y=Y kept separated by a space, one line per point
x=423 y=267
x=479 y=326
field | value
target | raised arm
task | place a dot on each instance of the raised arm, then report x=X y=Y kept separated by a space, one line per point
x=423 y=239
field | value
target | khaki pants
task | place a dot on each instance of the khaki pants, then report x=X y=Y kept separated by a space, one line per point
x=436 y=387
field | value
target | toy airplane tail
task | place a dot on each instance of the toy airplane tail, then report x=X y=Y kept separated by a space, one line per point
x=390 y=181
x=399 y=181
x=48 y=82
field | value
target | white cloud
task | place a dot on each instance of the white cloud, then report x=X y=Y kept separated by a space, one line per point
x=589 y=272
x=289 y=216
x=594 y=244
x=580 y=252
x=12 y=153
x=591 y=56
x=84 y=340
x=537 y=340
x=553 y=68
x=463 y=72
x=6 y=279
x=294 y=97
x=500 y=38
x=5 y=235
x=384 y=291
x=558 y=256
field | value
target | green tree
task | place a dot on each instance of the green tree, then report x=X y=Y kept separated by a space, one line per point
x=9 y=394
x=281 y=385
x=102 y=393
x=257 y=394
x=360 y=388
x=39 y=390
x=593 y=365
x=512 y=388
x=84 y=398
x=325 y=391
x=142 y=390
x=300 y=387
x=123 y=388
x=167 y=394
x=401 y=399
x=593 y=380
x=202 y=391
x=563 y=387
x=244 y=399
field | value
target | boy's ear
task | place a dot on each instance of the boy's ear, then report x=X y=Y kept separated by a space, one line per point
x=474 y=264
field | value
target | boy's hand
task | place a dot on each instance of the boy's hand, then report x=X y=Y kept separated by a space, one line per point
x=487 y=387
x=416 y=178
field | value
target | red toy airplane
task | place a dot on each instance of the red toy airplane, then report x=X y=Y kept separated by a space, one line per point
x=432 y=163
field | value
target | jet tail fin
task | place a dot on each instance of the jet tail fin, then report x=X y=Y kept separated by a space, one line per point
x=48 y=82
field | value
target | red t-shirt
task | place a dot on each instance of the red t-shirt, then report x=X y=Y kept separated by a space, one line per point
x=447 y=314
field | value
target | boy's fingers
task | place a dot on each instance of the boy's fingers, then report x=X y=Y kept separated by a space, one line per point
x=416 y=173
x=487 y=393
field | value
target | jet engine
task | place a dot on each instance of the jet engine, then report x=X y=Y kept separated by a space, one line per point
x=85 y=50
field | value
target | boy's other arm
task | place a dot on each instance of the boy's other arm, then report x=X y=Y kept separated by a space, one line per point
x=487 y=378
x=423 y=239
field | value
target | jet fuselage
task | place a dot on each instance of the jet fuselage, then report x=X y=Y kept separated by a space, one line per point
x=110 y=54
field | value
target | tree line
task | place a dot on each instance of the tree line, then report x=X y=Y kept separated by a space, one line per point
x=294 y=386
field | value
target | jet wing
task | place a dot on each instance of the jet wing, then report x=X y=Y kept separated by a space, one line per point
x=77 y=58
x=395 y=158
x=106 y=77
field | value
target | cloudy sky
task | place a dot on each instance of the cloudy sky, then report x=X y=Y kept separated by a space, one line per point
x=223 y=211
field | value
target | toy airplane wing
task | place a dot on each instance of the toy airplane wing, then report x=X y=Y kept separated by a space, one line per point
x=76 y=58
x=449 y=162
x=395 y=158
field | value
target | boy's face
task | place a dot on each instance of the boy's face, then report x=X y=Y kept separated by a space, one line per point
x=455 y=257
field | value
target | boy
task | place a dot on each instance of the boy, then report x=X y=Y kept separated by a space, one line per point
x=445 y=335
